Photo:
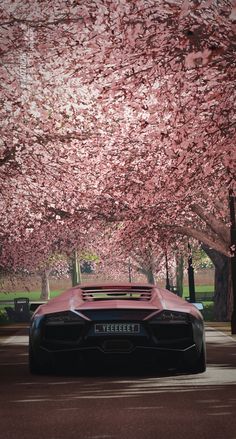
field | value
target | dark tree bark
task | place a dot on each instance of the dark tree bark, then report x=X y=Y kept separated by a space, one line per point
x=222 y=298
x=179 y=274
x=45 y=288
x=232 y=201
x=75 y=270
x=150 y=277
x=147 y=271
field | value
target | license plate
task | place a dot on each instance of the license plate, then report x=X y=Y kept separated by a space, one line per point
x=117 y=328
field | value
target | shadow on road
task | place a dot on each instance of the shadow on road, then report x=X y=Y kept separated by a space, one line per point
x=132 y=399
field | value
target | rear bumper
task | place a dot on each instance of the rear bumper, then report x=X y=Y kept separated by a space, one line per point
x=158 y=343
x=139 y=355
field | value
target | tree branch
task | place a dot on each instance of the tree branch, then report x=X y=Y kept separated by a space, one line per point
x=203 y=237
x=217 y=226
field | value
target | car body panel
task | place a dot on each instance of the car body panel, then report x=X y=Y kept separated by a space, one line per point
x=117 y=320
x=161 y=299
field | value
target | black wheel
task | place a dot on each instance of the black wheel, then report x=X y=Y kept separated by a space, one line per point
x=200 y=365
x=36 y=367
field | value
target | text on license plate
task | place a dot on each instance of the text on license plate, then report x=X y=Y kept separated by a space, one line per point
x=117 y=328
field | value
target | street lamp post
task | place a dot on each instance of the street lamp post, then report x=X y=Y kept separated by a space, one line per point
x=233 y=257
x=191 y=283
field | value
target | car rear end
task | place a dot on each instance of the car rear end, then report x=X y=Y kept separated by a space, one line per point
x=116 y=324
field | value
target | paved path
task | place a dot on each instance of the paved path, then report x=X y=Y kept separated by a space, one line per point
x=116 y=404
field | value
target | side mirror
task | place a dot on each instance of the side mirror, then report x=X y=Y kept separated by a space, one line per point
x=198 y=306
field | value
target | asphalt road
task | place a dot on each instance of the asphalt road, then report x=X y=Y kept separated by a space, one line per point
x=118 y=403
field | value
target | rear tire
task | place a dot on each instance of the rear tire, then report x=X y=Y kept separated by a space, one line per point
x=36 y=367
x=200 y=365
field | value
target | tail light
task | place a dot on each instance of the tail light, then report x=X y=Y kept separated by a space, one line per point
x=170 y=316
x=64 y=317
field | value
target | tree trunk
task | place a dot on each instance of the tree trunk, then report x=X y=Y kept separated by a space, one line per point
x=222 y=298
x=150 y=276
x=75 y=270
x=232 y=201
x=179 y=274
x=231 y=296
x=45 y=288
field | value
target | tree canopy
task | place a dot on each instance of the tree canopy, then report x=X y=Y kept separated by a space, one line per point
x=116 y=112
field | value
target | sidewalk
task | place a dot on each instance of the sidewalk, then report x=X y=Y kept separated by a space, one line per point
x=221 y=326
x=11 y=329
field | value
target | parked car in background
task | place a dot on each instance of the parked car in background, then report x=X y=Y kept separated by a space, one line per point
x=117 y=321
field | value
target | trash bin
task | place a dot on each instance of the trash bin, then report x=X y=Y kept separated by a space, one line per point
x=22 y=310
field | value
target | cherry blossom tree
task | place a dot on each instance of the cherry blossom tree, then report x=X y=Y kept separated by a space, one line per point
x=118 y=111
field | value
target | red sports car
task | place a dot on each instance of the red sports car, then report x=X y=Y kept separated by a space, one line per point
x=117 y=321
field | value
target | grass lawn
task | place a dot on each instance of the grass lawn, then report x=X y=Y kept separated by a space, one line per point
x=35 y=295
x=199 y=289
x=207 y=311
x=32 y=295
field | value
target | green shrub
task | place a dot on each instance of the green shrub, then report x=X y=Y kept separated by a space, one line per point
x=207 y=311
x=3 y=317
